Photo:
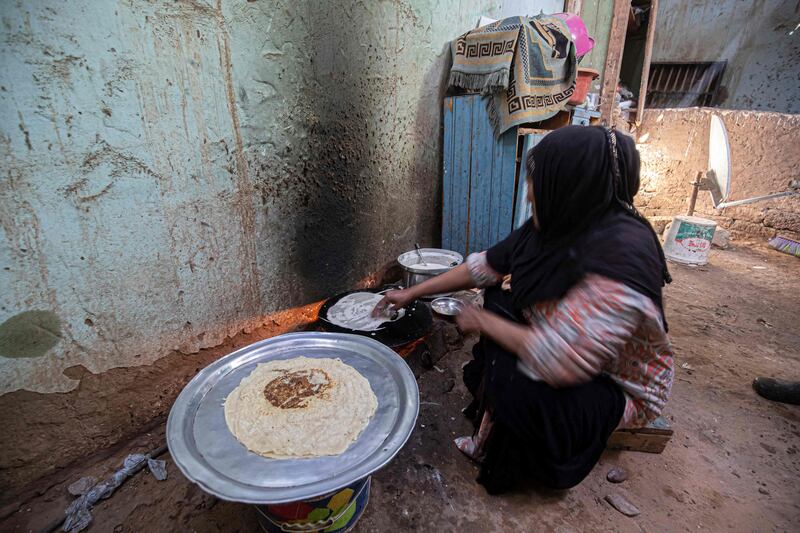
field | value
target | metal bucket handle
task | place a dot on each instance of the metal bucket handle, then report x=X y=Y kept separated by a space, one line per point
x=319 y=524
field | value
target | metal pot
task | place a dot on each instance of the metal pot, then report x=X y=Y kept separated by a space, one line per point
x=438 y=262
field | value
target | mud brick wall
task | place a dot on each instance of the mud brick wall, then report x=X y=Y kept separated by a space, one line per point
x=673 y=144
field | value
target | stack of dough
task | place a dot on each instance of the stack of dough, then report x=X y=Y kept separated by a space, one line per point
x=300 y=407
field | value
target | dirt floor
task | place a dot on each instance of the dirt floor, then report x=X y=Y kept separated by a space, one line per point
x=733 y=463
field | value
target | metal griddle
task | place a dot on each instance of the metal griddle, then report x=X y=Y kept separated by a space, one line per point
x=416 y=322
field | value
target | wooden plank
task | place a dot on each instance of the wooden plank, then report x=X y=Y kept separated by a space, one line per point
x=447 y=171
x=652 y=438
x=648 y=54
x=573 y=6
x=532 y=131
x=597 y=15
x=636 y=442
x=464 y=183
x=456 y=175
x=522 y=209
x=459 y=186
x=492 y=176
x=480 y=197
x=479 y=177
x=491 y=200
x=616 y=46
x=503 y=181
x=559 y=120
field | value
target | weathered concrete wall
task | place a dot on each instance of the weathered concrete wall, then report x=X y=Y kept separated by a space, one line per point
x=129 y=208
x=757 y=38
x=177 y=172
x=764 y=158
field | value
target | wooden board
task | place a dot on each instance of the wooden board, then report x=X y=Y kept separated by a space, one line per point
x=616 y=46
x=597 y=15
x=522 y=209
x=531 y=131
x=481 y=174
x=652 y=438
x=478 y=177
x=448 y=123
x=648 y=54
x=573 y=6
x=501 y=207
x=559 y=120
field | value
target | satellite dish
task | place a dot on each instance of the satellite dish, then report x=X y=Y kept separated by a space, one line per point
x=719 y=161
x=717 y=179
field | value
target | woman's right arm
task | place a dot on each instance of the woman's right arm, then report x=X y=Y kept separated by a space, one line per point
x=475 y=272
x=453 y=280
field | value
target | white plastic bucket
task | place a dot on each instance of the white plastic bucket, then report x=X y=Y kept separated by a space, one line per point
x=688 y=240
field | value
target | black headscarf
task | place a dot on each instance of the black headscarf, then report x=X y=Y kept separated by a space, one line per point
x=587 y=222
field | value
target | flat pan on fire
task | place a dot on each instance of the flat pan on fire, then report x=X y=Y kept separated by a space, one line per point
x=416 y=322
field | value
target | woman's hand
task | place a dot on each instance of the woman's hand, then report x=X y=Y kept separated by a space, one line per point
x=393 y=300
x=470 y=319
x=510 y=335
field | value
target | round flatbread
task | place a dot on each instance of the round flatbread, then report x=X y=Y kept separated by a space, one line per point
x=354 y=311
x=300 y=407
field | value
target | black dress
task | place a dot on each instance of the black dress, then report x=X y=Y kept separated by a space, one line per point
x=583 y=181
x=552 y=435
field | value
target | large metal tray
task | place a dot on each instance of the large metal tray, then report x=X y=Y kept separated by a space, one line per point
x=208 y=454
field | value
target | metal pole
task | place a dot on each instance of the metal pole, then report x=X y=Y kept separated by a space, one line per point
x=695 y=189
x=757 y=199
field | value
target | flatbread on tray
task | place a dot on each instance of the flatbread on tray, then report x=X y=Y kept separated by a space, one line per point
x=300 y=407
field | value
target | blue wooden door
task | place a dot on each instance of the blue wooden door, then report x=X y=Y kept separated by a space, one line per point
x=478 y=177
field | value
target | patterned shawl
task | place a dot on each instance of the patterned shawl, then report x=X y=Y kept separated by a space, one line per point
x=525 y=67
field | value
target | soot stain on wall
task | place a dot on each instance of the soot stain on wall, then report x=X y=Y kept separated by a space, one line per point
x=356 y=183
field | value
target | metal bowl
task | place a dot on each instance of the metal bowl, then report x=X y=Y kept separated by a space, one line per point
x=447 y=306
